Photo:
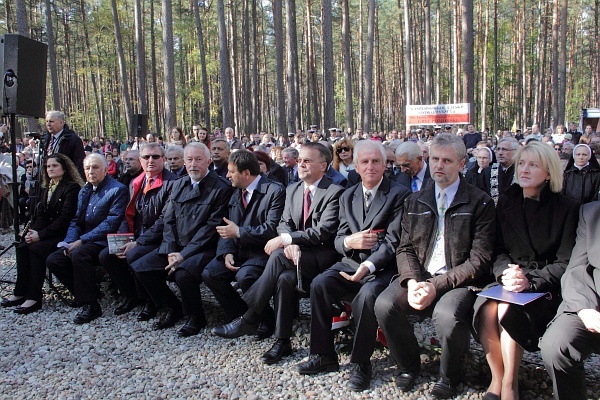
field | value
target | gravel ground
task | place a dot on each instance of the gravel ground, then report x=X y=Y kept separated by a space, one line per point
x=45 y=355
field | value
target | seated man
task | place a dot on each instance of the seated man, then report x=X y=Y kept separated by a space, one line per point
x=196 y=207
x=254 y=213
x=100 y=210
x=149 y=193
x=306 y=233
x=369 y=232
x=575 y=332
x=415 y=173
x=175 y=160
x=446 y=245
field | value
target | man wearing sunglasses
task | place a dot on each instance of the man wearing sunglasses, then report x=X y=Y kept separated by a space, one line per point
x=149 y=194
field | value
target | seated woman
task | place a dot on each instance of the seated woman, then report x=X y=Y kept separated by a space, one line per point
x=575 y=332
x=535 y=233
x=343 y=152
x=582 y=175
x=55 y=209
x=177 y=137
x=479 y=174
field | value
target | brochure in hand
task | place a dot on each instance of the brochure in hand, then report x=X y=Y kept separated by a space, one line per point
x=499 y=293
x=117 y=240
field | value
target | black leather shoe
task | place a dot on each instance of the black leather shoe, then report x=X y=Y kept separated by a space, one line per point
x=361 y=377
x=490 y=396
x=127 y=306
x=280 y=349
x=148 y=312
x=12 y=303
x=89 y=313
x=443 y=389
x=169 y=319
x=264 y=331
x=317 y=363
x=406 y=380
x=192 y=327
x=236 y=328
x=28 y=310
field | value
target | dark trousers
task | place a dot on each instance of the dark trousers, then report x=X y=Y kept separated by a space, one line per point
x=78 y=272
x=279 y=281
x=329 y=288
x=31 y=271
x=119 y=271
x=565 y=346
x=151 y=282
x=218 y=279
x=451 y=313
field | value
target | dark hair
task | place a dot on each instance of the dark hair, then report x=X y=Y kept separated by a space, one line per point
x=264 y=157
x=71 y=173
x=245 y=160
x=325 y=153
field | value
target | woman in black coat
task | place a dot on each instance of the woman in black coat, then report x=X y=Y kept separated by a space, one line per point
x=52 y=215
x=582 y=175
x=534 y=239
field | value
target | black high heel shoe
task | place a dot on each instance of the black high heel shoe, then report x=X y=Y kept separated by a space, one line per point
x=28 y=310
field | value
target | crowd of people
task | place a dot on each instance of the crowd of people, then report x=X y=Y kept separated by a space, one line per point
x=396 y=225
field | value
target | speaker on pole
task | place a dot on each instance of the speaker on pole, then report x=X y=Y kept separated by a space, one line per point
x=139 y=125
x=23 y=66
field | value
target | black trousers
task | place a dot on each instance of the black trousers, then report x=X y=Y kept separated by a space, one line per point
x=31 y=271
x=78 y=272
x=451 y=313
x=279 y=281
x=329 y=288
x=565 y=346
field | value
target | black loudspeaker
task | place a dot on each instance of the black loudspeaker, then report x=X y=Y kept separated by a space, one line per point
x=23 y=66
x=139 y=125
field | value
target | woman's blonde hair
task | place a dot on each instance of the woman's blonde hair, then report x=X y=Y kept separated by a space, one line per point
x=336 y=158
x=548 y=159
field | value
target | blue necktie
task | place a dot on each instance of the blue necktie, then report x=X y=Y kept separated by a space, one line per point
x=413 y=186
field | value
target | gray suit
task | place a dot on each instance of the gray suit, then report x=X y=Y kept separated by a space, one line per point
x=330 y=287
x=316 y=244
x=567 y=342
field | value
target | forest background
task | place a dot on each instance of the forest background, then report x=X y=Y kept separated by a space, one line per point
x=281 y=65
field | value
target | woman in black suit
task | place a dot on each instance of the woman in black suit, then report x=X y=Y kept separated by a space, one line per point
x=535 y=234
x=55 y=209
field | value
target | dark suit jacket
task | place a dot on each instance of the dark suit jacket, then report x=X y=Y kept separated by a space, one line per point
x=276 y=172
x=406 y=180
x=581 y=281
x=221 y=171
x=537 y=236
x=71 y=146
x=235 y=144
x=257 y=223
x=286 y=180
x=193 y=214
x=323 y=219
x=353 y=178
x=51 y=220
x=336 y=176
x=385 y=213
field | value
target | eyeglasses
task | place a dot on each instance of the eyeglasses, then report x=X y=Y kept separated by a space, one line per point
x=340 y=149
x=154 y=156
x=557 y=149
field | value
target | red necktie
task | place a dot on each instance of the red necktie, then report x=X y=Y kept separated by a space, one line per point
x=244 y=201
x=148 y=185
x=307 y=203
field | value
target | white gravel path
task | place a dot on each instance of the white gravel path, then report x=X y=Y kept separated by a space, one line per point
x=45 y=356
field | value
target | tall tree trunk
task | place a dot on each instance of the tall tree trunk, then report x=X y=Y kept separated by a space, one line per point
x=56 y=104
x=328 y=72
x=428 y=65
x=292 y=63
x=369 y=68
x=407 y=53
x=467 y=59
x=22 y=23
x=278 y=31
x=347 y=64
x=122 y=70
x=484 y=67
x=157 y=113
x=169 y=65
x=555 y=27
x=224 y=63
x=205 y=90
x=140 y=59
x=562 y=64
x=247 y=99
x=99 y=110
x=361 y=66
x=255 y=60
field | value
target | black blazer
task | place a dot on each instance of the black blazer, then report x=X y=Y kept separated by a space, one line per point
x=71 y=146
x=286 y=180
x=257 y=223
x=51 y=220
x=385 y=213
x=406 y=180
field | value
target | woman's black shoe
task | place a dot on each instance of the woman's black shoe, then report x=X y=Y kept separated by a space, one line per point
x=28 y=310
x=12 y=303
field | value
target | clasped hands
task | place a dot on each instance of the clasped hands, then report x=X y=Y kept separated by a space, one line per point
x=174 y=260
x=72 y=246
x=514 y=279
x=420 y=294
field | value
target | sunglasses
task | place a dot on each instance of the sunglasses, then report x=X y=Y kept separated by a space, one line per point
x=153 y=156
x=339 y=150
